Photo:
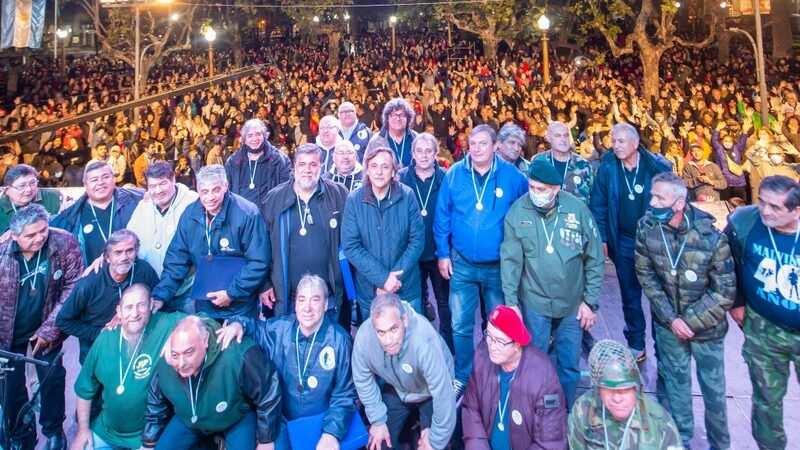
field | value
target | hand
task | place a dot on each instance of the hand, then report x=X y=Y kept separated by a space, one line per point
x=379 y=434
x=446 y=268
x=83 y=440
x=424 y=443
x=268 y=298
x=40 y=343
x=586 y=316
x=228 y=333
x=94 y=267
x=393 y=283
x=680 y=329
x=5 y=236
x=220 y=299
x=737 y=314
x=113 y=323
x=328 y=442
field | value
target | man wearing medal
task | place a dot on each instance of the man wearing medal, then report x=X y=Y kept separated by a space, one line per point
x=424 y=177
x=346 y=169
x=223 y=237
x=352 y=129
x=327 y=138
x=619 y=198
x=764 y=241
x=552 y=269
x=21 y=189
x=102 y=210
x=474 y=197
x=40 y=268
x=118 y=368
x=312 y=356
x=94 y=300
x=510 y=140
x=257 y=166
x=616 y=413
x=513 y=399
x=396 y=120
x=576 y=174
x=686 y=271
x=199 y=391
x=303 y=218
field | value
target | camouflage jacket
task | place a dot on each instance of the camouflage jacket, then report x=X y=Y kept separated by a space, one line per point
x=651 y=428
x=704 y=286
x=579 y=177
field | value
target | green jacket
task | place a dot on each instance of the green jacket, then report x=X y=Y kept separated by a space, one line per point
x=579 y=177
x=700 y=300
x=51 y=200
x=554 y=284
x=651 y=428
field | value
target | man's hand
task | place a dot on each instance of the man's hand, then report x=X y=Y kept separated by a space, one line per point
x=446 y=268
x=83 y=440
x=517 y=310
x=586 y=316
x=328 y=442
x=392 y=283
x=737 y=314
x=267 y=446
x=94 y=267
x=228 y=333
x=680 y=329
x=40 y=343
x=5 y=236
x=220 y=299
x=424 y=443
x=268 y=298
x=378 y=435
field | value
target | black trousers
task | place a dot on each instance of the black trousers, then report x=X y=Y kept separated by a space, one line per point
x=397 y=413
x=429 y=270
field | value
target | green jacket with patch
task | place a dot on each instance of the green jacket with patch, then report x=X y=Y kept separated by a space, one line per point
x=552 y=284
x=51 y=200
x=704 y=285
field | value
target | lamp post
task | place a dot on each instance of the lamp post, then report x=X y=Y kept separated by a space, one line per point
x=55 y=28
x=758 y=51
x=347 y=22
x=544 y=24
x=393 y=23
x=210 y=35
x=62 y=34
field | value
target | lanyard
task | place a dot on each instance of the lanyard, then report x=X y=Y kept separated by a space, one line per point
x=156 y=213
x=394 y=146
x=31 y=274
x=252 y=174
x=305 y=216
x=424 y=204
x=566 y=168
x=549 y=237
x=479 y=197
x=502 y=408
x=208 y=231
x=625 y=177
x=774 y=247
x=110 y=221
x=300 y=374
x=194 y=392
x=130 y=281
x=674 y=263
x=124 y=376
x=624 y=433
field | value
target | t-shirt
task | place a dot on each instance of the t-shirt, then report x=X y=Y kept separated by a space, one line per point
x=96 y=227
x=500 y=439
x=30 y=297
x=561 y=168
x=772 y=279
x=630 y=211
x=308 y=254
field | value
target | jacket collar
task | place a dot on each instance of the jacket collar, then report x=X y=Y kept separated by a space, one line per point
x=392 y=196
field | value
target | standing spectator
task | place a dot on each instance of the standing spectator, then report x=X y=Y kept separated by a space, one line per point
x=396 y=121
x=703 y=178
x=576 y=174
x=730 y=157
x=352 y=129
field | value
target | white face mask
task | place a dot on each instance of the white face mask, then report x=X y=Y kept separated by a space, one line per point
x=727 y=145
x=776 y=159
x=541 y=200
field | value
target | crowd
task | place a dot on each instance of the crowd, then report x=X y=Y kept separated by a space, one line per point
x=397 y=196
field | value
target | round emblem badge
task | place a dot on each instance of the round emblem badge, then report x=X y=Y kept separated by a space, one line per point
x=362 y=134
x=690 y=275
x=638 y=188
x=327 y=358
x=224 y=243
x=576 y=179
x=516 y=416
x=313 y=382
x=221 y=406
x=58 y=274
x=88 y=228
x=333 y=223
x=498 y=192
x=406 y=368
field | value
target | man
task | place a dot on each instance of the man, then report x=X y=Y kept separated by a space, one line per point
x=346 y=170
x=729 y=152
x=40 y=268
x=303 y=218
x=21 y=189
x=312 y=356
x=118 y=368
x=220 y=233
x=474 y=198
x=576 y=174
x=686 y=271
x=510 y=140
x=396 y=121
x=144 y=161
x=775 y=164
x=619 y=198
x=400 y=347
x=102 y=210
x=352 y=129
x=94 y=300
x=383 y=233
x=256 y=167
x=616 y=413
x=703 y=178
x=197 y=391
x=513 y=399
x=327 y=137
x=763 y=241
x=424 y=177
x=552 y=268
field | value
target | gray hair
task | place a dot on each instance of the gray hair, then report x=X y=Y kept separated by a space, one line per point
x=96 y=165
x=192 y=323
x=18 y=171
x=676 y=183
x=308 y=149
x=425 y=138
x=374 y=151
x=339 y=110
x=26 y=216
x=332 y=120
x=384 y=302
x=315 y=283
x=625 y=128
x=483 y=128
x=139 y=289
x=344 y=146
x=511 y=130
x=120 y=236
x=214 y=173
x=555 y=124
x=393 y=105
x=254 y=125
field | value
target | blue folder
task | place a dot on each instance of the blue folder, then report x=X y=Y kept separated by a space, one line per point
x=215 y=275
x=304 y=433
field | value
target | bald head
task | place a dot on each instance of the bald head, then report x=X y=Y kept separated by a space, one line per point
x=187 y=346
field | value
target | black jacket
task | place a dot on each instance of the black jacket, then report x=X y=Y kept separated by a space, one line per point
x=273 y=169
x=408 y=176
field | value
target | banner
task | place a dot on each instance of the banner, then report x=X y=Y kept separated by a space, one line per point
x=22 y=23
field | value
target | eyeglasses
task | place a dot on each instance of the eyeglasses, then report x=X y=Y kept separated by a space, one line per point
x=494 y=341
x=33 y=184
x=399 y=116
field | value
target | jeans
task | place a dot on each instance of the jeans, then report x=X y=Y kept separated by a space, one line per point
x=397 y=414
x=468 y=284
x=631 y=293
x=177 y=436
x=441 y=292
x=565 y=351
x=99 y=444
x=51 y=416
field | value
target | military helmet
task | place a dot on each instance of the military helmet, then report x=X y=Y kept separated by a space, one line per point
x=613 y=366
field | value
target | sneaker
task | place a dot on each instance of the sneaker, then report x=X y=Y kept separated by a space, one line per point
x=640 y=355
x=458 y=388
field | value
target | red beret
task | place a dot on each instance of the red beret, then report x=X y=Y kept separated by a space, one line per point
x=509 y=322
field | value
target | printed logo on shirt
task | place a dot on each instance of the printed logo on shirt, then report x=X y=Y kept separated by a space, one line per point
x=362 y=134
x=327 y=358
x=142 y=366
x=781 y=283
x=572 y=222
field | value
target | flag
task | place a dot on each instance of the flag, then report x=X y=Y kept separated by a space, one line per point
x=22 y=23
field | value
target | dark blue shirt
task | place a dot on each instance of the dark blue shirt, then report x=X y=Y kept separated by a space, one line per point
x=630 y=211
x=500 y=439
x=30 y=297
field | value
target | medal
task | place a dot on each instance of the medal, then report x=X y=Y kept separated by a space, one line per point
x=690 y=275
x=209 y=258
x=550 y=249
x=300 y=387
x=631 y=196
x=158 y=245
x=194 y=419
x=252 y=186
x=424 y=213
x=120 y=389
x=498 y=192
x=33 y=289
x=312 y=382
x=88 y=228
x=638 y=188
x=501 y=427
x=673 y=272
x=479 y=206
x=303 y=232
x=576 y=179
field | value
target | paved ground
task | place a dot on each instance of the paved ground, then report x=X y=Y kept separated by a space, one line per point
x=610 y=325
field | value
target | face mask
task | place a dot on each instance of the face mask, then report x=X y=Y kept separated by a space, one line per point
x=776 y=159
x=661 y=215
x=727 y=146
x=541 y=200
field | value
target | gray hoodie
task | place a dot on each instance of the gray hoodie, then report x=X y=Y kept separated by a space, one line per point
x=423 y=369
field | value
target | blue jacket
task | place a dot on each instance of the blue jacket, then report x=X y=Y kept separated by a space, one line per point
x=476 y=235
x=125 y=202
x=359 y=138
x=240 y=223
x=328 y=362
x=382 y=239
x=605 y=199
x=408 y=177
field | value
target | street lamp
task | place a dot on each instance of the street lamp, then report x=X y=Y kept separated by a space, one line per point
x=544 y=24
x=210 y=36
x=392 y=23
x=316 y=19
x=63 y=34
x=346 y=18
x=174 y=17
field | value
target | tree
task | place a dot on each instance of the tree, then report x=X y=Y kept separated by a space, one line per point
x=159 y=35
x=653 y=32
x=330 y=22
x=492 y=21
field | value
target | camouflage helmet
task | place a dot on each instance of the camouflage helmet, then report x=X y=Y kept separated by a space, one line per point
x=613 y=366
